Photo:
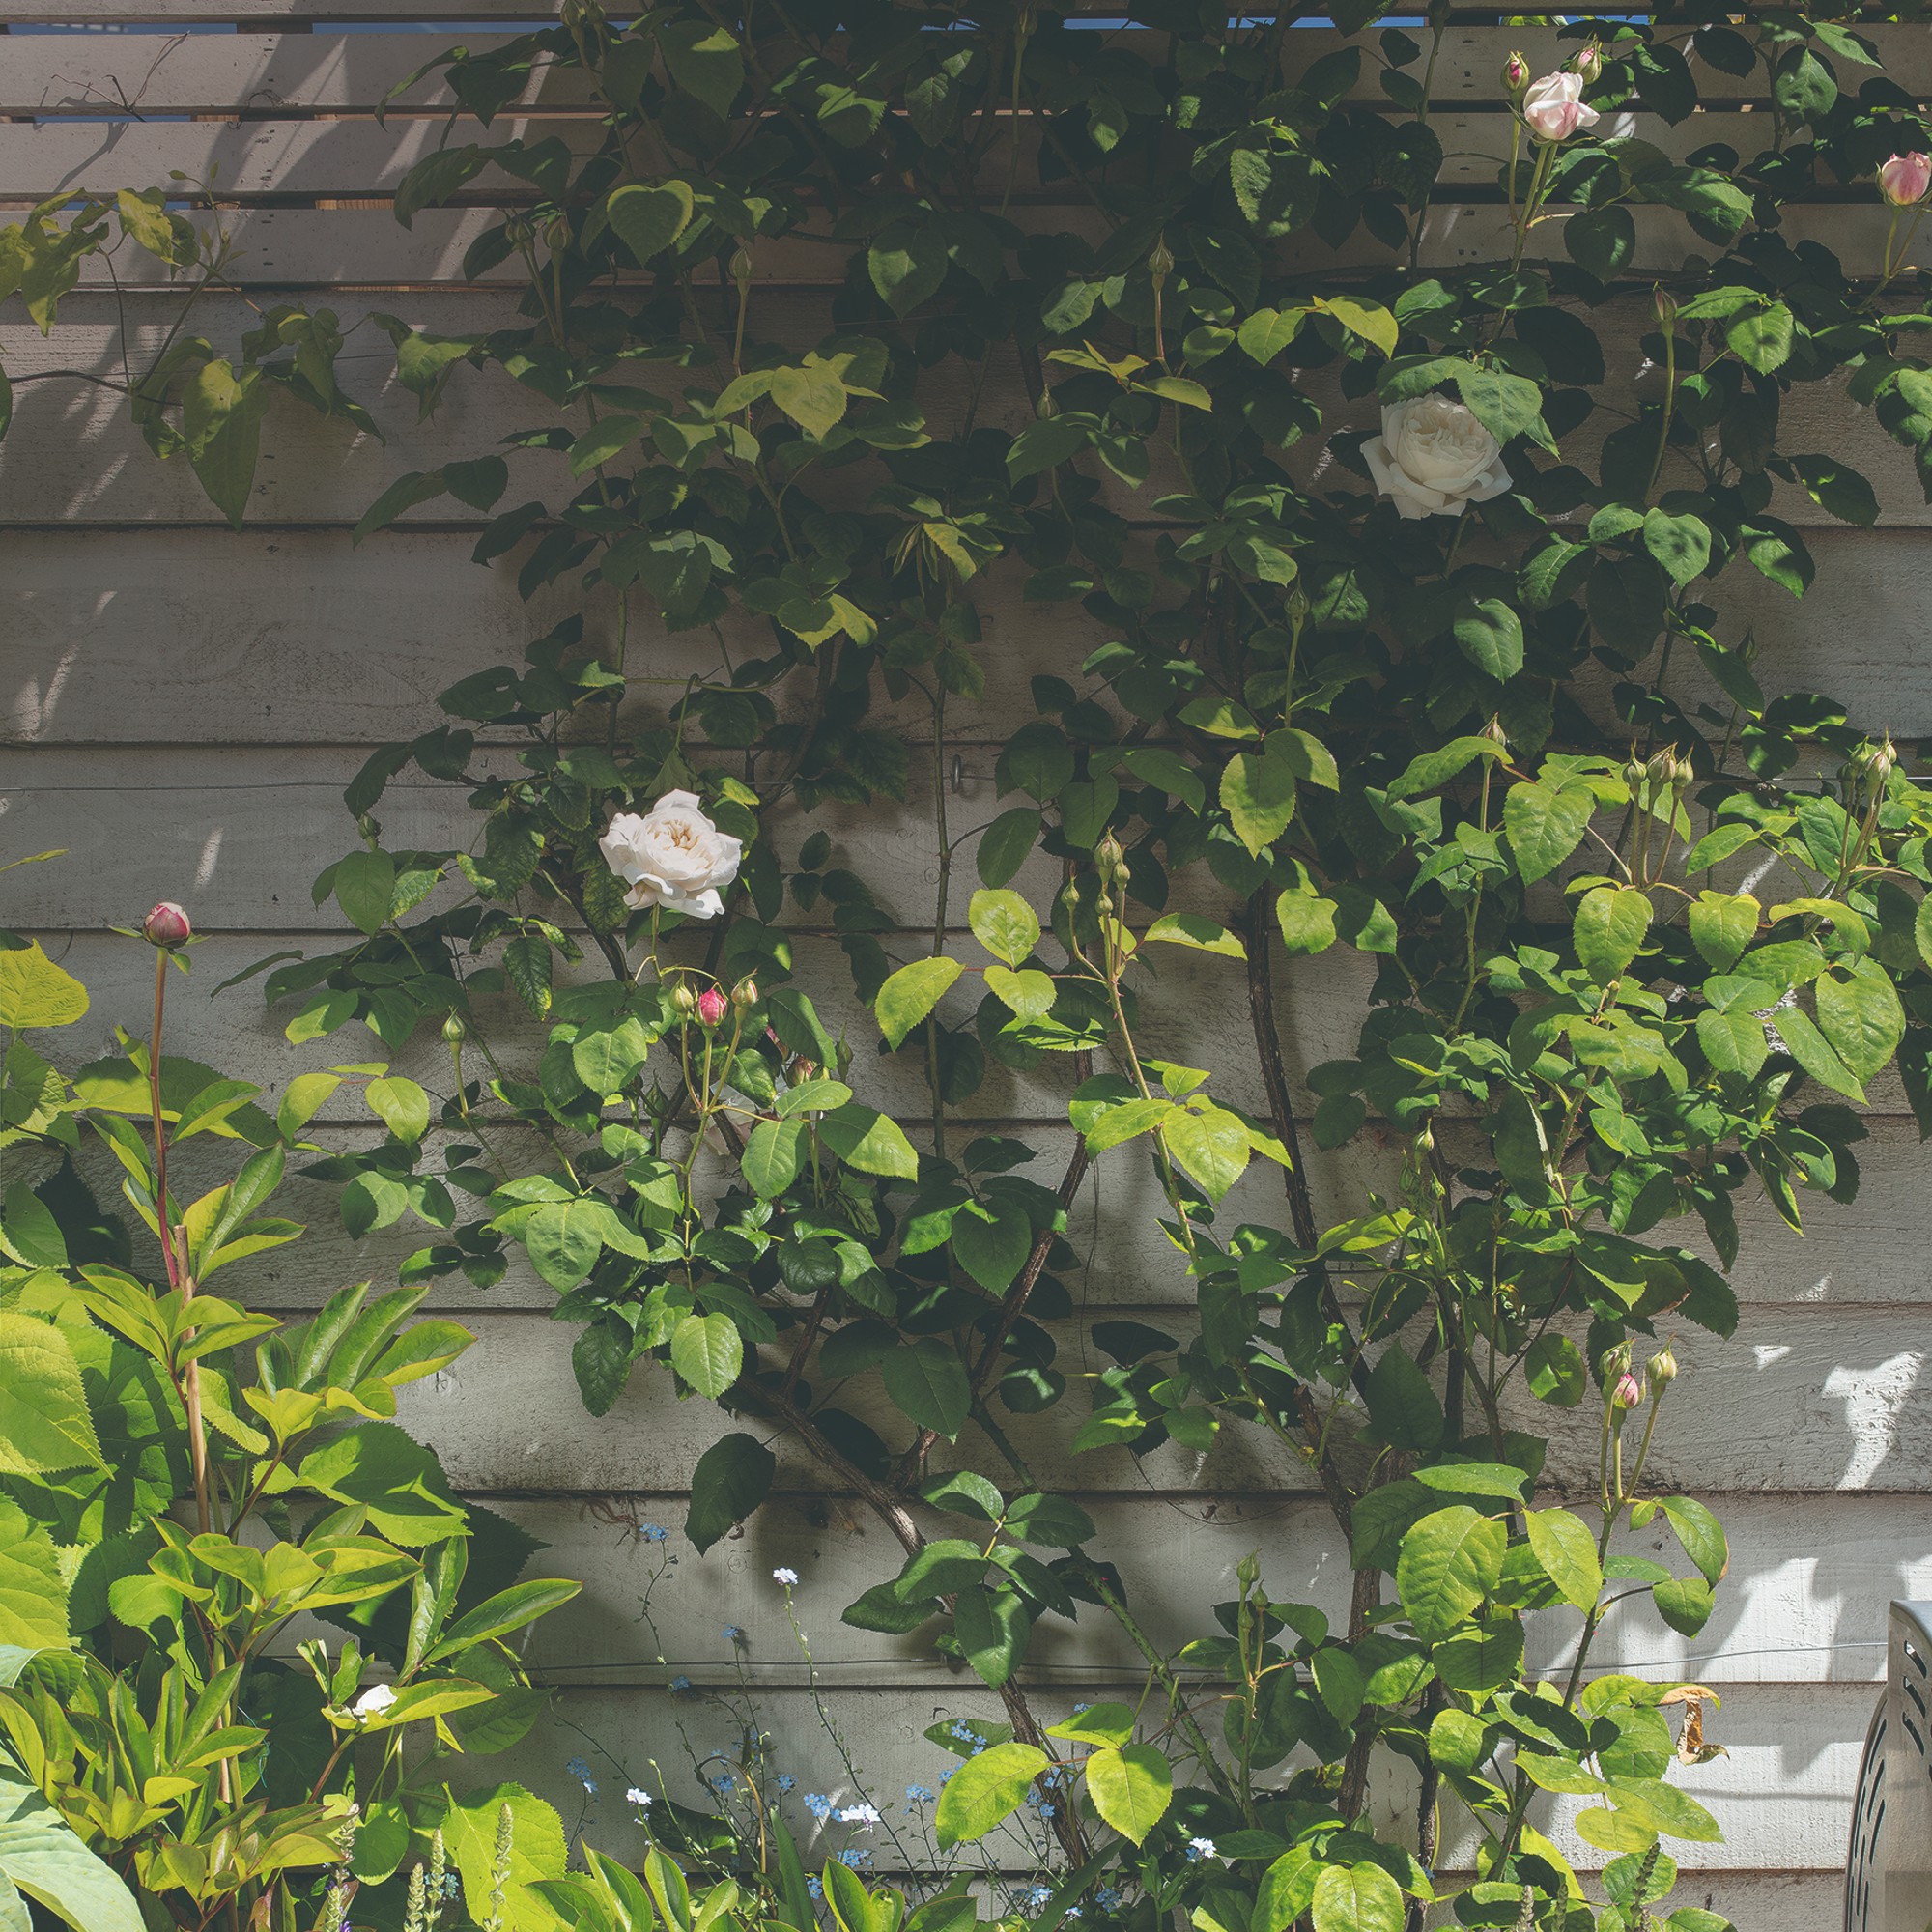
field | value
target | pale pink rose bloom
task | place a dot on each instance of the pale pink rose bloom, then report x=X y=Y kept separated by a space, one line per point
x=1904 y=179
x=1432 y=457
x=1554 y=109
x=674 y=856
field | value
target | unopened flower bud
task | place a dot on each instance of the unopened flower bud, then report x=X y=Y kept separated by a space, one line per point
x=1662 y=1367
x=1665 y=306
x=1515 y=73
x=682 y=998
x=1111 y=858
x=712 y=1007
x=453 y=1030
x=557 y=234
x=1160 y=262
x=746 y=992
x=518 y=231
x=1633 y=772
x=1662 y=767
x=1425 y=1142
x=1904 y=179
x=741 y=267
x=1494 y=731
x=1614 y=1362
x=1683 y=775
x=1589 y=64
x=1628 y=1393
x=167 y=926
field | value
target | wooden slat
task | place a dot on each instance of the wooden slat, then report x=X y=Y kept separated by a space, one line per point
x=1805 y=1601
x=314 y=641
x=1783 y=1795
x=1802 y=1399
x=248 y=158
x=253 y=74
x=294 y=248
x=92 y=465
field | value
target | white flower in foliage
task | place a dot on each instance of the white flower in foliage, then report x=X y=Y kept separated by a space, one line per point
x=373 y=1702
x=1432 y=457
x=674 y=856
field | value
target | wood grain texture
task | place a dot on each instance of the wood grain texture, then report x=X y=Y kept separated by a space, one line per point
x=1810 y=1582
x=93 y=468
x=112 y=638
x=1802 y=1399
x=260 y=70
x=1782 y=1795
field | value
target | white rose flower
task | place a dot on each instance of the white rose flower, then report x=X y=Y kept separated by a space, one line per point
x=674 y=856
x=374 y=1701
x=1554 y=107
x=1432 y=457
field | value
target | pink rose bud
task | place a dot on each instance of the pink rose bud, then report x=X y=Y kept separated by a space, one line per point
x=1904 y=179
x=1628 y=1393
x=746 y=992
x=1515 y=73
x=1589 y=64
x=167 y=926
x=712 y=1007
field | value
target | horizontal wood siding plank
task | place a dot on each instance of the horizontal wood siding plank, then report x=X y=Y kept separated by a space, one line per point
x=1782 y=1795
x=1802 y=1399
x=113 y=639
x=1805 y=1602
x=260 y=69
x=94 y=467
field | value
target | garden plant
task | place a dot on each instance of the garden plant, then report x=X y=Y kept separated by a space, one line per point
x=1381 y=636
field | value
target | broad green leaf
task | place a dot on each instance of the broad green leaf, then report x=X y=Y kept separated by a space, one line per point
x=732 y=1479
x=35 y=992
x=993 y=1629
x=1357 y=1898
x=1546 y=824
x=992 y=1250
x=1448 y=1564
x=707 y=1351
x=1568 y=1552
x=1258 y=795
x=926 y=1381
x=1761 y=339
x=401 y=1484
x=364 y=885
x=33 y=1593
x=1307 y=921
x=986 y=1790
x=1369 y=321
x=536 y=1854
x=29 y=1233
x=1004 y=925
x=1489 y=632
x=401 y=1105
x=773 y=1157
x=1685 y=1603
x=865 y=1139
x=1131 y=1787
x=704 y=61
x=1858 y=1013
x=1287 y=1889
x=911 y=993
x=1815 y=1054
x=1681 y=544
x=1612 y=924
x=45 y=1423
x=1006 y=844
x=1166 y=772
x=1733 y=1041
x=1700 y=1533
x=1211 y=1143
x=42 y=1857
x=1722 y=925
x=1029 y=995
x=1190 y=928
x=648 y=220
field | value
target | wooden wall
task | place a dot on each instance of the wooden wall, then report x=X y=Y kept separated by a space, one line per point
x=181 y=706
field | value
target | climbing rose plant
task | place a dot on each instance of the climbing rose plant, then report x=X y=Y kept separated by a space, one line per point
x=1381 y=637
